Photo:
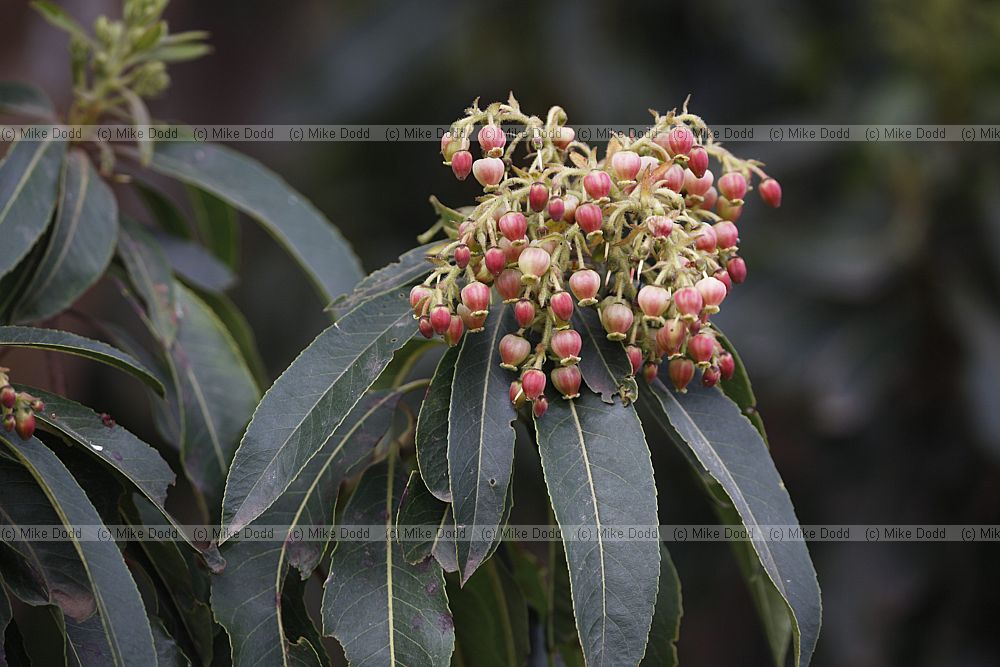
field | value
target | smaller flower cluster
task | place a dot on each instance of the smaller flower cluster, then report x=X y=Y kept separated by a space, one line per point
x=18 y=408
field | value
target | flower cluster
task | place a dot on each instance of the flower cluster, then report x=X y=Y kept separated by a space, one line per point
x=18 y=408
x=647 y=235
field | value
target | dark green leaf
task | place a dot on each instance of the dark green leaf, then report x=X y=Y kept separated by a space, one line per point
x=661 y=651
x=217 y=225
x=412 y=266
x=598 y=473
x=22 y=99
x=164 y=212
x=241 y=332
x=432 y=428
x=732 y=451
x=71 y=343
x=195 y=265
x=80 y=245
x=120 y=615
x=738 y=387
x=418 y=508
x=168 y=653
x=383 y=610
x=603 y=363
x=480 y=437
x=29 y=186
x=297 y=622
x=445 y=551
x=151 y=277
x=310 y=400
x=247 y=185
x=403 y=362
x=491 y=618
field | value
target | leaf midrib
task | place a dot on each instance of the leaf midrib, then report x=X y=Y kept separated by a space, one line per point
x=22 y=182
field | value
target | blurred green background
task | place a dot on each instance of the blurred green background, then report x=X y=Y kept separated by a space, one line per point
x=870 y=322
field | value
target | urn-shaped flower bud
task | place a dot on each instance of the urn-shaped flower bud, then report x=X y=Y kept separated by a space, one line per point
x=524 y=312
x=533 y=262
x=695 y=185
x=9 y=422
x=727 y=366
x=597 y=184
x=473 y=321
x=495 y=260
x=566 y=345
x=709 y=199
x=680 y=140
x=617 y=319
x=704 y=239
x=681 y=372
x=540 y=407
x=589 y=217
x=476 y=297
x=688 y=301
x=517 y=396
x=698 y=161
x=727 y=210
x=701 y=348
x=732 y=185
x=626 y=165
x=454 y=332
x=650 y=370
x=673 y=179
x=557 y=208
x=451 y=145
x=659 y=226
x=461 y=165
x=462 y=256
x=564 y=137
x=533 y=383
x=488 y=170
x=24 y=423
x=737 y=269
x=712 y=291
x=723 y=276
x=566 y=380
x=514 y=350
x=440 y=318
x=37 y=405
x=770 y=192
x=514 y=226
x=538 y=197
x=726 y=233
x=710 y=376
x=653 y=301
x=585 y=284
x=508 y=284
x=670 y=338
x=491 y=137
x=561 y=304
x=424 y=325
x=570 y=202
x=634 y=354
x=8 y=396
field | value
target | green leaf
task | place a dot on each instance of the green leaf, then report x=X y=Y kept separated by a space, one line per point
x=164 y=212
x=726 y=444
x=302 y=633
x=250 y=187
x=310 y=400
x=140 y=116
x=245 y=596
x=112 y=592
x=195 y=265
x=80 y=245
x=241 y=332
x=598 y=473
x=661 y=651
x=480 y=437
x=21 y=99
x=71 y=343
x=217 y=225
x=412 y=266
x=168 y=652
x=381 y=609
x=432 y=428
x=603 y=363
x=58 y=17
x=176 y=53
x=29 y=186
x=738 y=387
x=491 y=618
x=151 y=277
x=418 y=507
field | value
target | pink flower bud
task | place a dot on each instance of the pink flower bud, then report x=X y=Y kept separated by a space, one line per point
x=597 y=184
x=538 y=197
x=474 y=322
x=653 y=301
x=533 y=262
x=670 y=338
x=557 y=208
x=511 y=251
x=513 y=351
x=673 y=179
x=648 y=164
x=461 y=165
x=585 y=283
x=508 y=284
x=723 y=276
x=709 y=199
x=488 y=170
x=729 y=211
x=693 y=184
x=514 y=226
x=617 y=319
x=650 y=370
x=564 y=137
x=491 y=137
x=737 y=269
x=533 y=383
x=495 y=260
x=24 y=423
x=570 y=202
x=680 y=140
x=727 y=366
x=524 y=312
x=454 y=332
x=419 y=296
x=712 y=291
x=476 y=297
x=540 y=407
x=8 y=396
x=626 y=165
x=589 y=217
x=561 y=304
x=659 y=226
x=9 y=422
x=462 y=256
x=726 y=233
x=681 y=372
x=566 y=345
x=516 y=394
x=634 y=355
x=440 y=318
x=701 y=348
x=732 y=185
x=424 y=324
x=450 y=145
x=688 y=301
x=770 y=192
x=466 y=231
x=710 y=376
x=704 y=239
x=698 y=161
x=566 y=380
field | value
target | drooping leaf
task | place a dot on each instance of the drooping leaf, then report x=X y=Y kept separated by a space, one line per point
x=245 y=596
x=738 y=387
x=195 y=265
x=480 y=438
x=661 y=651
x=250 y=187
x=410 y=268
x=164 y=212
x=71 y=343
x=432 y=428
x=726 y=444
x=598 y=473
x=240 y=330
x=310 y=400
x=383 y=610
x=603 y=363
x=106 y=599
x=149 y=272
x=22 y=99
x=80 y=245
x=217 y=225
x=491 y=618
x=445 y=551
x=29 y=187
x=417 y=522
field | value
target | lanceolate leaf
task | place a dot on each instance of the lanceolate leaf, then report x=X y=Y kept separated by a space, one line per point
x=245 y=596
x=71 y=343
x=412 y=266
x=217 y=225
x=418 y=511
x=480 y=437
x=248 y=186
x=20 y=99
x=195 y=265
x=81 y=243
x=598 y=473
x=432 y=428
x=732 y=451
x=383 y=610
x=29 y=184
x=115 y=597
x=738 y=388
x=239 y=328
x=491 y=618
x=661 y=651
x=309 y=402
x=150 y=274
x=603 y=363
x=165 y=213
